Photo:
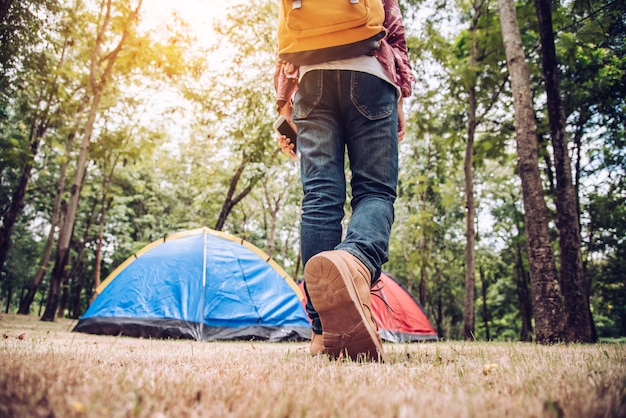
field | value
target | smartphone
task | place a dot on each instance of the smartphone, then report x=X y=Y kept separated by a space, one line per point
x=284 y=128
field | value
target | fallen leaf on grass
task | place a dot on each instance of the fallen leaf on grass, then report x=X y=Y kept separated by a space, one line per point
x=489 y=367
x=78 y=407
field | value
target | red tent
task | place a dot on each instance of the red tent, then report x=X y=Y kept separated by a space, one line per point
x=399 y=315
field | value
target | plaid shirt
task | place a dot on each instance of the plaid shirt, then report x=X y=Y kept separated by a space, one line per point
x=392 y=54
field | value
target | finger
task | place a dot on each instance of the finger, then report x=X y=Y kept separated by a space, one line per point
x=283 y=141
x=286 y=146
x=401 y=133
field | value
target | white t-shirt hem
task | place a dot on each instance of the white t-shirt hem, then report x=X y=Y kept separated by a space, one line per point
x=364 y=63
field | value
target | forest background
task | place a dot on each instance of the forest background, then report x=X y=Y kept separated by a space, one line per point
x=119 y=126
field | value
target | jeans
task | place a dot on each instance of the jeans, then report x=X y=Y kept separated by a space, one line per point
x=335 y=110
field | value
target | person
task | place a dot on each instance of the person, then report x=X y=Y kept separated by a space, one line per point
x=353 y=104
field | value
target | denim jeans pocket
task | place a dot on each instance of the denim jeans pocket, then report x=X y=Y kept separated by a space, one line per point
x=372 y=96
x=308 y=95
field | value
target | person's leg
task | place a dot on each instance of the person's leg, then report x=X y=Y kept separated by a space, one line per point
x=372 y=141
x=322 y=154
x=339 y=280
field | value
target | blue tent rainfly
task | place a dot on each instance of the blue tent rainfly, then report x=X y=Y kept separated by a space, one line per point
x=199 y=284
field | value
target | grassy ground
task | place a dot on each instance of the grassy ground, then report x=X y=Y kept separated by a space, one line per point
x=48 y=371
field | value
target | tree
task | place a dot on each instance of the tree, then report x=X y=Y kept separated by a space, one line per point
x=26 y=63
x=579 y=323
x=239 y=104
x=470 y=204
x=115 y=148
x=17 y=199
x=547 y=304
x=58 y=208
x=427 y=242
x=475 y=80
x=274 y=200
x=101 y=66
x=515 y=255
x=592 y=68
x=608 y=244
x=22 y=28
x=59 y=90
x=5 y=5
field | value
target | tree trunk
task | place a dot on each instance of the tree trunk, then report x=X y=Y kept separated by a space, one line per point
x=439 y=317
x=62 y=216
x=26 y=303
x=423 y=284
x=43 y=268
x=104 y=205
x=5 y=5
x=231 y=200
x=57 y=208
x=65 y=294
x=296 y=272
x=424 y=240
x=71 y=275
x=55 y=286
x=273 y=202
x=405 y=256
x=470 y=204
x=9 y=297
x=485 y=286
x=98 y=78
x=68 y=283
x=547 y=304
x=525 y=305
x=77 y=286
x=97 y=267
x=470 y=234
x=576 y=299
x=17 y=199
x=66 y=230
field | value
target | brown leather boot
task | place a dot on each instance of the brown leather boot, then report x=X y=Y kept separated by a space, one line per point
x=339 y=287
x=317 y=344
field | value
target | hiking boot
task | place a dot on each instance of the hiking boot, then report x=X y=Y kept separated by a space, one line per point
x=317 y=344
x=339 y=288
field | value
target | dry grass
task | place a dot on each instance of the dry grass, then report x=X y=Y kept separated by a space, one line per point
x=48 y=371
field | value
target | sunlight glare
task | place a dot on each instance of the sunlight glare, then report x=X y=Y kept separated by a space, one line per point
x=200 y=14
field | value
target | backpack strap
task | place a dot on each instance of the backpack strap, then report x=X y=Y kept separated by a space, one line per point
x=297 y=4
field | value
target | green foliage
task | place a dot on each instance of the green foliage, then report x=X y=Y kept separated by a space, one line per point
x=179 y=117
x=19 y=267
x=607 y=261
x=22 y=32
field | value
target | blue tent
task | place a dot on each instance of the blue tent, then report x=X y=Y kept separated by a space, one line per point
x=200 y=284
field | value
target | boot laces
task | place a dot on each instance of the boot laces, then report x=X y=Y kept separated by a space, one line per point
x=376 y=289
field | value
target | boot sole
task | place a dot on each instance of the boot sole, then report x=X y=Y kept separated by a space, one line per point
x=346 y=329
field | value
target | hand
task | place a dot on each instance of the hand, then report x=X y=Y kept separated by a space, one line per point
x=401 y=122
x=283 y=142
x=286 y=146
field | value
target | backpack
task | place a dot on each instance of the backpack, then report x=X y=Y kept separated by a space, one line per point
x=315 y=31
